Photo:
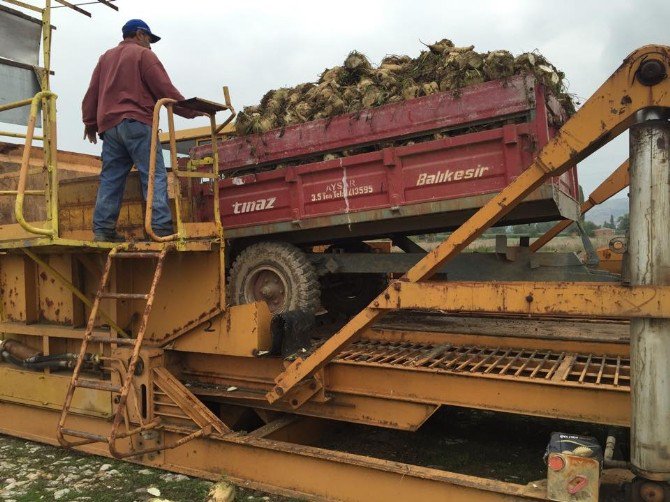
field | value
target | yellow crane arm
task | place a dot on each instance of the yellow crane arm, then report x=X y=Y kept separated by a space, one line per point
x=641 y=82
x=614 y=183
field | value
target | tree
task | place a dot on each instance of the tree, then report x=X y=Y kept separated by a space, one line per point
x=623 y=223
x=610 y=224
x=589 y=227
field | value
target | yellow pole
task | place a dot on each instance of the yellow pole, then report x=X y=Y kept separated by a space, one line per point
x=49 y=144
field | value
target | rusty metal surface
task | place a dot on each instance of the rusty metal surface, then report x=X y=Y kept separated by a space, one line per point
x=436 y=368
x=536 y=365
x=570 y=299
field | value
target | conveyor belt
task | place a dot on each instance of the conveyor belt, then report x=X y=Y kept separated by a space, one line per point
x=591 y=370
x=378 y=381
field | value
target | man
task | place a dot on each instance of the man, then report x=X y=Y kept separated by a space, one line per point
x=119 y=105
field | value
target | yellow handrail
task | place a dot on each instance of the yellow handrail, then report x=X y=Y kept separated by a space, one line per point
x=214 y=175
x=21 y=191
x=148 y=216
x=23 y=174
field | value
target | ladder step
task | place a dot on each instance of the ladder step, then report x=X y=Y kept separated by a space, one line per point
x=109 y=339
x=84 y=435
x=125 y=296
x=98 y=385
x=137 y=254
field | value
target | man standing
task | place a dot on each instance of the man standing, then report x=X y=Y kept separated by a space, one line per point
x=119 y=105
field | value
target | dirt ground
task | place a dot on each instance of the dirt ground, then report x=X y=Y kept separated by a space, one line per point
x=479 y=443
x=31 y=472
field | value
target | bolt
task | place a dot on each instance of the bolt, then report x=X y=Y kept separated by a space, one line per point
x=294 y=402
x=529 y=298
x=396 y=286
x=651 y=492
x=651 y=72
x=279 y=391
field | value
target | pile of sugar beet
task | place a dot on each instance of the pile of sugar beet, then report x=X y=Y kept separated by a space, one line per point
x=357 y=84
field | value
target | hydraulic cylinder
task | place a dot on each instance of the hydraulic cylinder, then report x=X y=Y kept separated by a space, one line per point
x=649 y=252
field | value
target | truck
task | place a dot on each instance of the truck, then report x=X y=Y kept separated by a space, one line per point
x=416 y=167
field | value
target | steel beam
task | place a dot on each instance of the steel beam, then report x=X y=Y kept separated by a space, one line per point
x=577 y=299
x=286 y=468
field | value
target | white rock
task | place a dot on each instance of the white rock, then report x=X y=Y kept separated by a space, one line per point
x=154 y=491
x=61 y=493
x=221 y=492
x=105 y=467
x=146 y=472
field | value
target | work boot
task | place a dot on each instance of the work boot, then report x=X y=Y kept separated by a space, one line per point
x=163 y=232
x=105 y=237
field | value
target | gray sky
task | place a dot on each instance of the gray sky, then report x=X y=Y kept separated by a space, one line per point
x=259 y=45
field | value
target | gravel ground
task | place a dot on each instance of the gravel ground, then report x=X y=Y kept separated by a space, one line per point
x=34 y=472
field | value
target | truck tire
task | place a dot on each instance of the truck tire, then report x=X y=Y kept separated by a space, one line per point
x=275 y=272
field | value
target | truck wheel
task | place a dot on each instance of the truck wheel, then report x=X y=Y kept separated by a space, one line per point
x=275 y=272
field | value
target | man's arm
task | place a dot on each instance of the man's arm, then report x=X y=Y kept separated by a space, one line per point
x=89 y=106
x=160 y=85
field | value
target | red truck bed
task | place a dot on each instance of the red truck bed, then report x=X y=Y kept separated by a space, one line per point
x=432 y=185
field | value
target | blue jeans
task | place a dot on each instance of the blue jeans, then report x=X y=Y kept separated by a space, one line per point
x=123 y=146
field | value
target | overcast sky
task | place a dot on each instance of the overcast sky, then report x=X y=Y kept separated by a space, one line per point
x=255 y=46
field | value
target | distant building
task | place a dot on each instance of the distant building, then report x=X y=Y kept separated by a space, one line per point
x=603 y=232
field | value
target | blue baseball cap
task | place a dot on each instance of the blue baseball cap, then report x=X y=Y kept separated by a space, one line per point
x=137 y=24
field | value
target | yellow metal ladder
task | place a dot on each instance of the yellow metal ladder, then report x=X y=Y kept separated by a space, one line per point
x=198 y=413
x=122 y=390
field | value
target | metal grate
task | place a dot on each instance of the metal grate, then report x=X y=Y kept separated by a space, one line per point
x=499 y=361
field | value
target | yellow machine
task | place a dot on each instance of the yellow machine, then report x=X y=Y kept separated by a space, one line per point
x=132 y=350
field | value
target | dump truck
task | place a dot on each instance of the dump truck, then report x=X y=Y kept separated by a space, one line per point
x=134 y=350
x=415 y=167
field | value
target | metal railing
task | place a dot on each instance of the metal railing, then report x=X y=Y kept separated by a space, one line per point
x=213 y=175
x=48 y=101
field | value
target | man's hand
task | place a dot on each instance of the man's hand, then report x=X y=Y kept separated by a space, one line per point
x=91 y=132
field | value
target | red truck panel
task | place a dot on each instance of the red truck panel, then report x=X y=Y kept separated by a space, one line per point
x=427 y=179
x=483 y=103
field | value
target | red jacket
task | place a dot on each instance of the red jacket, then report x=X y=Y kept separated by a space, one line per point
x=126 y=83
